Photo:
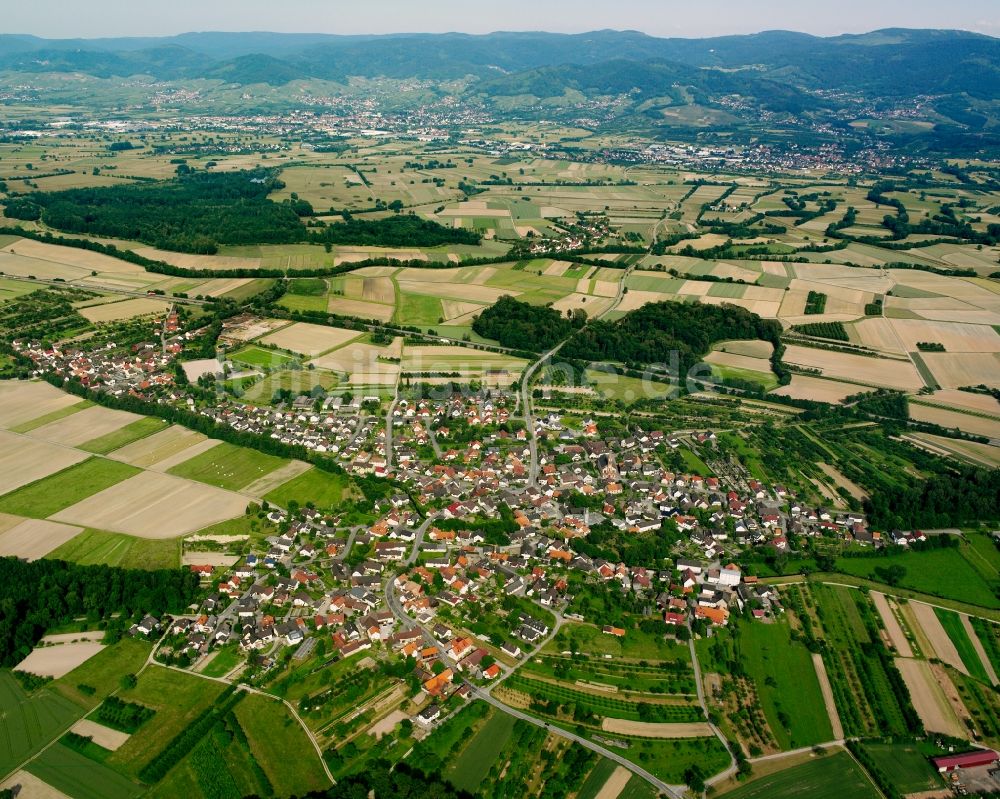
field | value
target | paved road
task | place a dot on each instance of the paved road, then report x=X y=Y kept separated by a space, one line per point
x=699 y=687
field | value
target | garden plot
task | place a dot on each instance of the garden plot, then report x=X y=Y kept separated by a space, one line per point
x=902 y=375
x=59 y=659
x=22 y=401
x=310 y=340
x=124 y=309
x=84 y=426
x=156 y=448
x=24 y=460
x=958 y=369
x=32 y=539
x=153 y=505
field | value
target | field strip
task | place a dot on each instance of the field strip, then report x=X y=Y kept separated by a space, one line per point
x=940 y=643
x=31 y=787
x=101 y=735
x=185 y=455
x=268 y=482
x=892 y=626
x=59 y=660
x=615 y=783
x=928 y=697
x=35 y=538
x=649 y=729
x=978 y=646
x=827 y=691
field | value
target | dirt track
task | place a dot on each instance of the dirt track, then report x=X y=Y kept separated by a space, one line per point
x=892 y=626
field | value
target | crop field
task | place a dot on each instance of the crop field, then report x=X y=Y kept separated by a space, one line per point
x=324 y=489
x=102 y=672
x=81 y=777
x=32 y=538
x=117 y=549
x=48 y=496
x=152 y=505
x=258 y=356
x=470 y=768
x=968 y=657
x=831 y=776
x=228 y=466
x=85 y=425
x=109 y=442
x=22 y=401
x=29 y=722
x=124 y=309
x=59 y=659
x=310 y=340
x=161 y=446
x=907 y=767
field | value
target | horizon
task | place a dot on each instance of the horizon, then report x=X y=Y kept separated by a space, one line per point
x=111 y=19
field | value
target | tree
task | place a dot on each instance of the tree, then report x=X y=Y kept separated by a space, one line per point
x=128 y=681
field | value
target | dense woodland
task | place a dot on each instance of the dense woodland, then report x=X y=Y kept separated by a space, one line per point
x=649 y=334
x=521 y=326
x=197 y=212
x=37 y=596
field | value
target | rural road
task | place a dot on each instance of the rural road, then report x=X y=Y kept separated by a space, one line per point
x=529 y=422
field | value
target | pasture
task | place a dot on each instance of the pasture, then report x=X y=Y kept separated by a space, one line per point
x=470 y=768
x=326 y=490
x=228 y=466
x=830 y=776
x=117 y=549
x=48 y=496
x=81 y=777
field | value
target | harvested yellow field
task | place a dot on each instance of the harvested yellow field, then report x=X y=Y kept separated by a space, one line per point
x=557 y=268
x=451 y=359
x=71 y=256
x=375 y=271
x=220 y=285
x=190 y=261
x=85 y=425
x=982 y=403
x=153 y=505
x=455 y=309
x=24 y=460
x=359 y=308
x=594 y=306
x=750 y=348
x=793 y=303
x=364 y=362
x=125 y=309
x=22 y=266
x=694 y=288
x=818 y=389
x=155 y=448
x=32 y=539
x=928 y=698
x=955 y=336
x=310 y=340
x=31 y=787
x=605 y=288
x=378 y=289
x=636 y=299
x=615 y=784
x=878 y=333
x=768 y=309
x=460 y=274
x=22 y=400
x=982 y=454
x=185 y=455
x=977 y=425
x=958 y=369
x=934 y=631
x=872 y=371
x=836 y=725
x=55 y=661
x=736 y=272
x=102 y=736
x=648 y=729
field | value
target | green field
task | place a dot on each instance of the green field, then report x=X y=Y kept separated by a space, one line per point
x=635 y=645
x=834 y=776
x=258 y=356
x=905 y=765
x=471 y=767
x=225 y=661
x=177 y=698
x=938 y=572
x=228 y=466
x=280 y=746
x=295 y=302
x=323 y=489
x=596 y=779
x=81 y=777
x=117 y=549
x=103 y=671
x=669 y=759
x=786 y=683
x=54 y=416
x=952 y=624
x=138 y=429
x=52 y=494
x=27 y=723
x=638 y=788
x=419 y=310
x=767 y=380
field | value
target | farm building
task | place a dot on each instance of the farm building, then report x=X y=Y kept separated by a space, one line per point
x=980 y=757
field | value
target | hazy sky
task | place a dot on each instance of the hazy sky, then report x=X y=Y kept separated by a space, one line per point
x=91 y=18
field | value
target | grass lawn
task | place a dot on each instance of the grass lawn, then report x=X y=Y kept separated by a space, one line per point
x=56 y=492
x=81 y=777
x=29 y=722
x=418 y=309
x=635 y=645
x=117 y=439
x=117 y=549
x=178 y=700
x=258 y=356
x=694 y=463
x=103 y=671
x=228 y=466
x=952 y=624
x=786 y=683
x=225 y=661
x=668 y=759
x=834 y=776
x=596 y=779
x=938 y=572
x=469 y=769
x=54 y=416
x=907 y=767
x=323 y=489
x=280 y=746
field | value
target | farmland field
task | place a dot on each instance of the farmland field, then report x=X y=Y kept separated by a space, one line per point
x=81 y=777
x=906 y=766
x=109 y=442
x=54 y=493
x=118 y=549
x=325 y=489
x=29 y=722
x=955 y=630
x=832 y=776
x=469 y=770
x=228 y=466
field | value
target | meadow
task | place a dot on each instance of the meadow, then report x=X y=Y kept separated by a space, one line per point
x=228 y=466
x=30 y=721
x=52 y=494
x=831 y=776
